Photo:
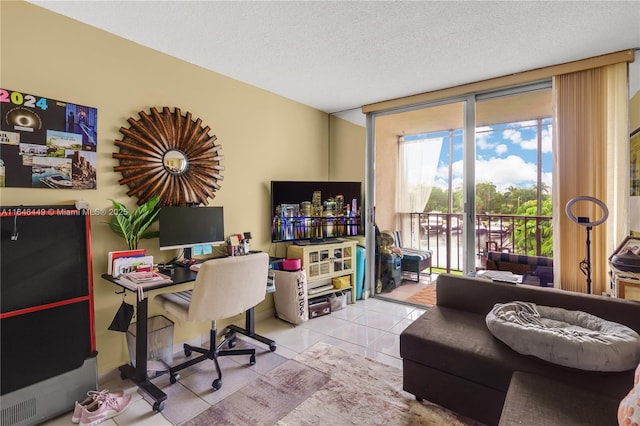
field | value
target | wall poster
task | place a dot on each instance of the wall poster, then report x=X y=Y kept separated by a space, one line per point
x=46 y=143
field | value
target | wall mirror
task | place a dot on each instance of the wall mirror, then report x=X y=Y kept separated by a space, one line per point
x=170 y=155
x=175 y=161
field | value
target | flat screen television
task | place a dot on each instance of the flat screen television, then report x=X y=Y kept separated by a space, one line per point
x=315 y=211
x=186 y=227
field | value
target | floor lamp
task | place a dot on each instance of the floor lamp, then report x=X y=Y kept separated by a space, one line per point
x=585 y=265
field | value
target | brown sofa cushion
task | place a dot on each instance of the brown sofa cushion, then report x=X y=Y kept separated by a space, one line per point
x=534 y=400
x=459 y=343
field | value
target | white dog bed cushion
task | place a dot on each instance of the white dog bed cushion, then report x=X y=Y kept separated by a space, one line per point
x=570 y=338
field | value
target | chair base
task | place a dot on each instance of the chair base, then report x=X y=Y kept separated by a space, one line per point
x=213 y=352
x=250 y=330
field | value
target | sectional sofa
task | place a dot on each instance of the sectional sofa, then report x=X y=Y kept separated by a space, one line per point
x=451 y=358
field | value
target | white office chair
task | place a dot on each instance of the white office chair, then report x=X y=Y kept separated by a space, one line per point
x=223 y=288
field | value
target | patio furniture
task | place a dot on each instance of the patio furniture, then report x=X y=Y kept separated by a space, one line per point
x=537 y=266
x=413 y=260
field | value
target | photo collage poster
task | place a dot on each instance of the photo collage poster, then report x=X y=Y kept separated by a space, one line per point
x=46 y=143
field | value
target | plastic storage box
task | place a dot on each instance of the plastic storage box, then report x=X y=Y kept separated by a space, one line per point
x=159 y=344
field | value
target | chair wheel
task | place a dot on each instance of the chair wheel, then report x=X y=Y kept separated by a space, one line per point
x=158 y=406
x=173 y=378
x=272 y=347
x=232 y=343
x=187 y=352
x=217 y=384
x=252 y=360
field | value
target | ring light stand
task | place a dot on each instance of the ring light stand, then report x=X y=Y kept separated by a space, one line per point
x=585 y=265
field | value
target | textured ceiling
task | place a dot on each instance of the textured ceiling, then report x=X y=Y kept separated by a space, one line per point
x=338 y=56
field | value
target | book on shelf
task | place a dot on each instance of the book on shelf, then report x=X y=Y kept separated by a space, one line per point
x=113 y=255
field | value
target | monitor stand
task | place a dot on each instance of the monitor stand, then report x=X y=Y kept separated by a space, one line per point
x=187 y=260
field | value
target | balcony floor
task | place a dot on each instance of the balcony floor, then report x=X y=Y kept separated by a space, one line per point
x=419 y=294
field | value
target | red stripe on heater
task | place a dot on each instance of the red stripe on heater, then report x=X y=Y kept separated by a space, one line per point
x=44 y=307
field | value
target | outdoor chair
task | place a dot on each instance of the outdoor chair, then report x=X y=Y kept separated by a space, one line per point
x=413 y=260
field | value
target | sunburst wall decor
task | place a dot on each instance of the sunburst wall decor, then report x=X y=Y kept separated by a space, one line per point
x=170 y=155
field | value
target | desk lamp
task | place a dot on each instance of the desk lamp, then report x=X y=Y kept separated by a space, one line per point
x=585 y=264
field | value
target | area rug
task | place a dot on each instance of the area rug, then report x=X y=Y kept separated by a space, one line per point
x=326 y=385
x=426 y=296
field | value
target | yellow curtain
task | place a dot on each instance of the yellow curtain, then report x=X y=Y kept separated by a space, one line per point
x=589 y=146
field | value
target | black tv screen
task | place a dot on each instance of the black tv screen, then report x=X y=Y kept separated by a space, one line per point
x=315 y=210
x=186 y=227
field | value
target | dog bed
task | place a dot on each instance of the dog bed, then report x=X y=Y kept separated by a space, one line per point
x=571 y=338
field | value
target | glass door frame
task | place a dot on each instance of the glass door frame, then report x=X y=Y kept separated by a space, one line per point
x=469 y=153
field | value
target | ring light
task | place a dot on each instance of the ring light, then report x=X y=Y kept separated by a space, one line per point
x=585 y=265
x=579 y=220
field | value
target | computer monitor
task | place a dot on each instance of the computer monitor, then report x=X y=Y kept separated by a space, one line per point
x=186 y=227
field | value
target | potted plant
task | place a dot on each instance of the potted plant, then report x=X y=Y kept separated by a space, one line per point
x=133 y=226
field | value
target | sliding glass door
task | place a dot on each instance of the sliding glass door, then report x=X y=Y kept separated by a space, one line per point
x=453 y=176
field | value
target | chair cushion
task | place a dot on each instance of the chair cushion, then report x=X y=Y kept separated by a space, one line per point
x=414 y=254
x=571 y=338
x=175 y=303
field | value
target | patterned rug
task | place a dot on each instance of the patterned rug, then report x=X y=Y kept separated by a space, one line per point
x=426 y=296
x=326 y=385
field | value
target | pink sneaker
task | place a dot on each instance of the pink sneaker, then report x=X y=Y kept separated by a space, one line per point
x=92 y=397
x=104 y=409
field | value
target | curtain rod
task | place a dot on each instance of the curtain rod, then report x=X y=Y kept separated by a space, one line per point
x=627 y=55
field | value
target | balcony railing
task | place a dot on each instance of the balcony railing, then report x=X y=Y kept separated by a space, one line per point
x=442 y=234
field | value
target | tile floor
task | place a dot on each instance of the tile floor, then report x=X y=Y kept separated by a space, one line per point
x=369 y=327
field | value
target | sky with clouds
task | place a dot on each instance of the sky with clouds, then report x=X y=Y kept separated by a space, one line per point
x=506 y=155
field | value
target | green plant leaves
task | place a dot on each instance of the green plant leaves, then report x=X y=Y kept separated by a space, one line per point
x=133 y=226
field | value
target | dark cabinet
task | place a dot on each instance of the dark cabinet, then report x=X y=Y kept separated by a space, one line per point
x=46 y=312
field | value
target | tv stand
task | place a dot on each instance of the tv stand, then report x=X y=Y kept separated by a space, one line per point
x=323 y=262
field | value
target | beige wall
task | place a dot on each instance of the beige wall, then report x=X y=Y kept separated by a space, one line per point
x=264 y=137
x=346 y=151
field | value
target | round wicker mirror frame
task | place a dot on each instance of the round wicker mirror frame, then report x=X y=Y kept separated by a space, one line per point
x=144 y=166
